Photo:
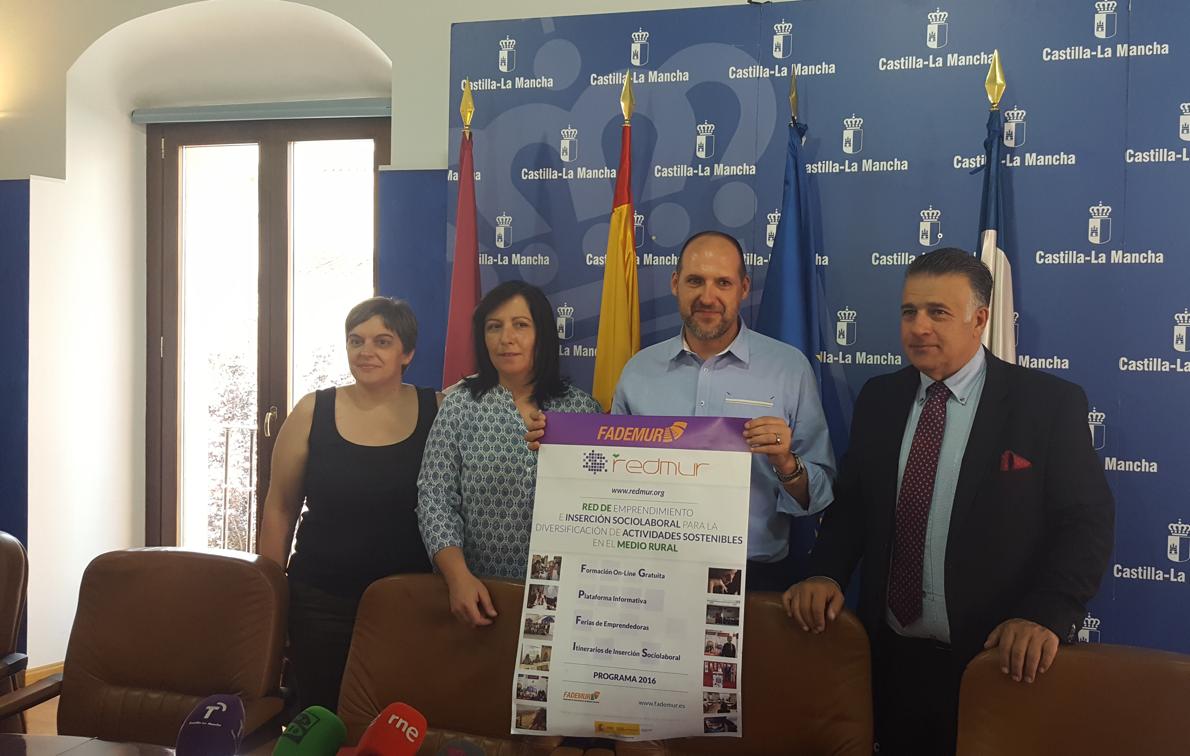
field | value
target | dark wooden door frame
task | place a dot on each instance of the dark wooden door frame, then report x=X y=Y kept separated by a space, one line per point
x=164 y=143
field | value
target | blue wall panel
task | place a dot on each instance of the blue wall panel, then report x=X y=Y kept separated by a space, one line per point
x=412 y=206
x=1098 y=94
x=14 y=358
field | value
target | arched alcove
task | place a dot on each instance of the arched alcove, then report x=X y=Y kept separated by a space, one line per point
x=87 y=259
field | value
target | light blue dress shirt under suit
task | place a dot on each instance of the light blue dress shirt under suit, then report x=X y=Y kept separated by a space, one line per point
x=966 y=386
x=754 y=377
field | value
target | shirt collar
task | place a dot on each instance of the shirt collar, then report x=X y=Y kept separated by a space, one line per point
x=738 y=348
x=962 y=383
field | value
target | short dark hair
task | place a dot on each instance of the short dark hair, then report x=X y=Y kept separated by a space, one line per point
x=396 y=315
x=715 y=235
x=952 y=260
x=548 y=382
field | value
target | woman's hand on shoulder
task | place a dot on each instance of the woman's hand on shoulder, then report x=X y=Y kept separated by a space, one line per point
x=535 y=429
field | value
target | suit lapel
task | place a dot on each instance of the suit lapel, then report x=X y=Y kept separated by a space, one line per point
x=983 y=445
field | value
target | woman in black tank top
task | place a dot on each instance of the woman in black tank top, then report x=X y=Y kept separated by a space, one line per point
x=351 y=455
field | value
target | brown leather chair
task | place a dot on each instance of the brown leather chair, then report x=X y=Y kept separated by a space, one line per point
x=802 y=693
x=1096 y=700
x=14 y=584
x=408 y=647
x=157 y=630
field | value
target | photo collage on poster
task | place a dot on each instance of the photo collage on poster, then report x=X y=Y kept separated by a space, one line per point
x=721 y=651
x=537 y=636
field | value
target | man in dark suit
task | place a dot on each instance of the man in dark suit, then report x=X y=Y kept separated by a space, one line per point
x=974 y=499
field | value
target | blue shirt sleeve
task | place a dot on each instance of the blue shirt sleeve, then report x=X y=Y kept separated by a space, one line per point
x=811 y=442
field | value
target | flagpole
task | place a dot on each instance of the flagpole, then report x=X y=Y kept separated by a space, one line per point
x=459 y=358
x=619 y=311
x=999 y=335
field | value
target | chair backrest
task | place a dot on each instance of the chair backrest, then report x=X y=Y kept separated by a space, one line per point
x=157 y=630
x=14 y=586
x=803 y=693
x=14 y=582
x=1096 y=700
x=408 y=647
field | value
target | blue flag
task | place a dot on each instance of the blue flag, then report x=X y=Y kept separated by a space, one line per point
x=793 y=306
x=793 y=310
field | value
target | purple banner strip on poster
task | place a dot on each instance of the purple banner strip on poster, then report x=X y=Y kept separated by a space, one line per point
x=704 y=433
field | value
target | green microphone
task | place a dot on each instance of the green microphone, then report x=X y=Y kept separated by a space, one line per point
x=314 y=732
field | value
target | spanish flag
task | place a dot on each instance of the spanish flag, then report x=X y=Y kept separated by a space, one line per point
x=619 y=312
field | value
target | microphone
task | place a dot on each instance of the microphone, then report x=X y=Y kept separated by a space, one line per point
x=396 y=731
x=315 y=731
x=213 y=728
x=460 y=747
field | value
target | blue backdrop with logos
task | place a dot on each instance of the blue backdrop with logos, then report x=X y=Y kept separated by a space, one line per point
x=1097 y=156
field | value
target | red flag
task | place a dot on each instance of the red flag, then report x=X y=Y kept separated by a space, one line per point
x=464 y=280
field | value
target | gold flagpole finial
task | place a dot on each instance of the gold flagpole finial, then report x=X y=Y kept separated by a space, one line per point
x=792 y=96
x=627 y=101
x=994 y=83
x=467 y=106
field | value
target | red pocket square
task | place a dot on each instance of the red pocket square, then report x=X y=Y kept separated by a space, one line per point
x=1010 y=460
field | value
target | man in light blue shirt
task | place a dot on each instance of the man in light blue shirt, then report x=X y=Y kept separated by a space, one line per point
x=717 y=367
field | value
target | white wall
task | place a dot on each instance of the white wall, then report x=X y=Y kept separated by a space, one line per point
x=88 y=270
x=49 y=417
x=86 y=358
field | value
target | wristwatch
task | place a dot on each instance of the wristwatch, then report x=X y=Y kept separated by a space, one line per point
x=798 y=472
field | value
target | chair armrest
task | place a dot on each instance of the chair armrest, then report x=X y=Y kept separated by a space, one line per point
x=12 y=664
x=30 y=695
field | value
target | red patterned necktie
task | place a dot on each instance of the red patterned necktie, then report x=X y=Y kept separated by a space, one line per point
x=913 y=507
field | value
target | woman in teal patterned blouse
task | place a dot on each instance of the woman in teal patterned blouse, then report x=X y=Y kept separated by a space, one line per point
x=475 y=491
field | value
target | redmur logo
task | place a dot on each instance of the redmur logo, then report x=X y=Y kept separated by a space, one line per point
x=594 y=462
x=658 y=466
